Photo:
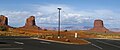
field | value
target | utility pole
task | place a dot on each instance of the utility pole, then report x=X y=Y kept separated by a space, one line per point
x=59 y=22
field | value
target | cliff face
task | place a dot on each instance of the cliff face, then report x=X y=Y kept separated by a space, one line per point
x=30 y=23
x=99 y=26
x=4 y=21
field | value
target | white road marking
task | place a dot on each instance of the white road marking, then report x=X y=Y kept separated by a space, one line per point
x=45 y=42
x=108 y=44
x=10 y=48
x=18 y=42
x=96 y=46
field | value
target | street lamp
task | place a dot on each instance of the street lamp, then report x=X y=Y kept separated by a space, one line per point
x=59 y=22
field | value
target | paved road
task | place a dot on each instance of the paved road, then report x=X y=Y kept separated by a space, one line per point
x=25 y=43
x=105 y=44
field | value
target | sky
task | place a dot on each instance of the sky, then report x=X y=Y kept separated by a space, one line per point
x=74 y=12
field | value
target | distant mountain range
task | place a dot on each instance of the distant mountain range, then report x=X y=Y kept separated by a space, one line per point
x=115 y=29
x=80 y=28
x=70 y=28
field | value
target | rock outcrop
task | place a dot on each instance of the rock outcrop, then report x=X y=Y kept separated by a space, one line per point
x=30 y=23
x=4 y=21
x=99 y=26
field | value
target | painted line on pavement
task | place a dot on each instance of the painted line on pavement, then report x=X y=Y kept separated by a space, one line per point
x=45 y=42
x=108 y=44
x=96 y=46
x=19 y=42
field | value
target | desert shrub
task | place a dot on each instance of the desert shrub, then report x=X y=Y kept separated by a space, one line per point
x=45 y=29
x=65 y=30
x=2 y=28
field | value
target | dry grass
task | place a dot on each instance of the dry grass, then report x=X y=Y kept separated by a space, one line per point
x=52 y=33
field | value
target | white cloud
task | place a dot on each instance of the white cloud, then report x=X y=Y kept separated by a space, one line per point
x=51 y=8
x=70 y=15
x=48 y=13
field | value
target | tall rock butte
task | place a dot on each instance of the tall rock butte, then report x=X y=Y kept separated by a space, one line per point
x=30 y=23
x=99 y=26
x=4 y=21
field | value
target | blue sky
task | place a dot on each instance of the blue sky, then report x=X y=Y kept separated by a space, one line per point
x=74 y=12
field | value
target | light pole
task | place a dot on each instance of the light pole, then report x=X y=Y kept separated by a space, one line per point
x=59 y=22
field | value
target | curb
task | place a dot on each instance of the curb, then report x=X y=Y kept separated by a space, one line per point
x=61 y=41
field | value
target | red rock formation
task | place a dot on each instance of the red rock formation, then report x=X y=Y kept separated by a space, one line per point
x=99 y=26
x=4 y=21
x=30 y=23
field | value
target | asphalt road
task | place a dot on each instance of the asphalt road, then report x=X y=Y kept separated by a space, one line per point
x=25 y=43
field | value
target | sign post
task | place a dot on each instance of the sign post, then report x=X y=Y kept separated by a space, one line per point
x=76 y=35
